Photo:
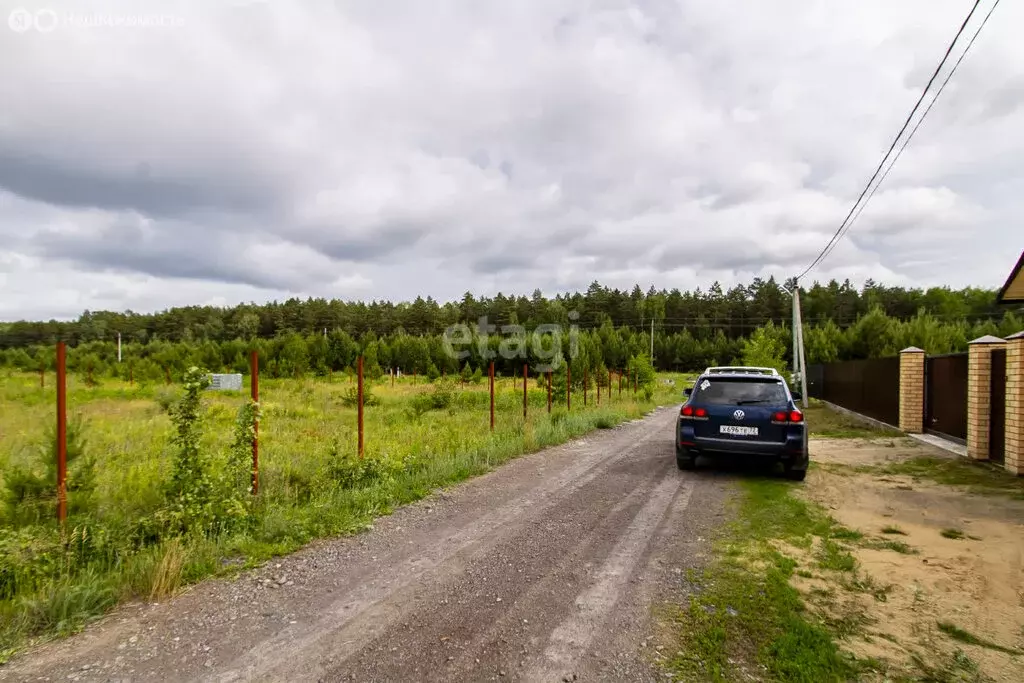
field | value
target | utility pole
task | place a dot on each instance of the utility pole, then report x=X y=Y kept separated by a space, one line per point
x=118 y=347
x=796 y=339
x=800 y=342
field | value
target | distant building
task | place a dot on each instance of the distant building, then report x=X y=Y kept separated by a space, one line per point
x=1013 y=291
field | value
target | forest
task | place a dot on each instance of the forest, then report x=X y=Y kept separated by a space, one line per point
x=606 y=326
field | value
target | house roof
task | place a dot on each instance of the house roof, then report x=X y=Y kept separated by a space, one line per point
x=1013 y=291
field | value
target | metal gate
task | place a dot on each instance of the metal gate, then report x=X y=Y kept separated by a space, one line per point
x=997 y=407
x=946 y=396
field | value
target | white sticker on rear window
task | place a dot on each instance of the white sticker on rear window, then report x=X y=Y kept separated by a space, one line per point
x=704 y=385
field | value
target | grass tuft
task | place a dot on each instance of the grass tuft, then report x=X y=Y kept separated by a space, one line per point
x=954 y=534
x=890 y=544
x=960 y=635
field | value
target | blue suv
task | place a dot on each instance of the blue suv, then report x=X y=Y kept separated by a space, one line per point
x=745 y=411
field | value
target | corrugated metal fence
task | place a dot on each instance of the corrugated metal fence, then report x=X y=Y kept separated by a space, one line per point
x=869 y=387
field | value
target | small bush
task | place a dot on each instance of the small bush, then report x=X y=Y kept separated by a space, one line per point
x=350 y=398
x=441 y=398
x=349 y=471
x=166 y=398
x=30 y=494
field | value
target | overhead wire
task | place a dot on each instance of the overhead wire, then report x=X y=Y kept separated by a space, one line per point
x=840 y=230
x=907 y=140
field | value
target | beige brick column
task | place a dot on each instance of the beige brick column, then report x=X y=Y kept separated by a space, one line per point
x=1015 y=403
x=912 y=390
x=979 y=394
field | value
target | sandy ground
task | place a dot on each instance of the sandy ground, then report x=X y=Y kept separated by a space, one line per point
x=543 y=570
x=975 y=583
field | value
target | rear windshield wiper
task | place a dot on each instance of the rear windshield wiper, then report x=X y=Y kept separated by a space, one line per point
x=753 y=400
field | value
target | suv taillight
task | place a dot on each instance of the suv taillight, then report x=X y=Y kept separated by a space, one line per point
x=792 y=417
x=691 y=413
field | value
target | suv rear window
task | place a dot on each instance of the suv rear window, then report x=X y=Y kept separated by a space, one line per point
x=721 y=391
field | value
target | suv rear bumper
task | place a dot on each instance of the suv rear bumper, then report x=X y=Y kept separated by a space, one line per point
x=792 y=449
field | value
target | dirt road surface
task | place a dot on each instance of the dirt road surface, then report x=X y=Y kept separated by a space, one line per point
x=543 y=570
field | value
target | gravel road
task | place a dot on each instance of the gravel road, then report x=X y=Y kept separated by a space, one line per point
x=546 y=569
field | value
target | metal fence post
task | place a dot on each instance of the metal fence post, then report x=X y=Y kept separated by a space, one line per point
x=525 y=373
x=549 y=391
x=254 y=394
x=359 y=372
x=568 y=388
x=62 y=434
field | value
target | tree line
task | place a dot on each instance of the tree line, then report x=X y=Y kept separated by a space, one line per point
x=597 y=350
x=733 y=312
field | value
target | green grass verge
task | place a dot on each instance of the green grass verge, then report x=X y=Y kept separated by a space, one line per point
x=826 y=423
x=977 y=477
x=744 y=614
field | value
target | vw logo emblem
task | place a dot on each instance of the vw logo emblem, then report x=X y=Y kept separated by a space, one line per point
x=739 y=415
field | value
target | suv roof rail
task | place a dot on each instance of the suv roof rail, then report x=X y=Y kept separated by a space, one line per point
x=741 y=369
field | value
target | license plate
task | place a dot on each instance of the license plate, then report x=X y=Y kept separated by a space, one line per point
x=736 y=430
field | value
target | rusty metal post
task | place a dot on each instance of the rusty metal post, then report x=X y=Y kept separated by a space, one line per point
x=568 y=388
x=636 y=381
x=619 y=376
x=584 y=387
x=254 y=393
x=549 y=391
x=167 y=374
x=525 y=373
x=393 y=373
x=62 y=434
x=490 y=374
x=359 y=373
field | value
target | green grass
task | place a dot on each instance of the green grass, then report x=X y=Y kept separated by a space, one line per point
x=977 y=477
x=962 y=636
x=954 y=534
x=834 y=557
x=894 y=530
x=47 y=588
x=830 y=424
x=746 y=613
x=889 y=544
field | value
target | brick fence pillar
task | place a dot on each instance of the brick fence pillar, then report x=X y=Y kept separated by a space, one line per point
x=979 y=394
x=1015 y=403
x=912 y=390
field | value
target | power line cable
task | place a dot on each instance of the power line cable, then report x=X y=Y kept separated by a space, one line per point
x=906 y=123
x=914 y=130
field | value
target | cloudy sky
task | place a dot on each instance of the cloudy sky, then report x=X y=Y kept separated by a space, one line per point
x=236 y=150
